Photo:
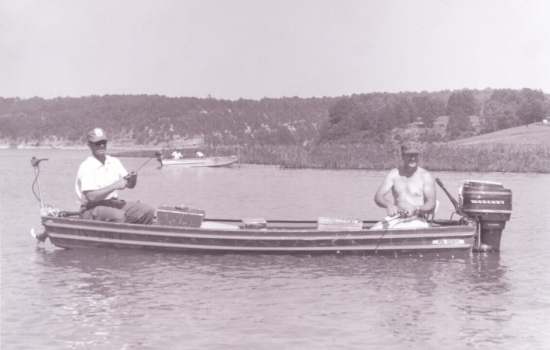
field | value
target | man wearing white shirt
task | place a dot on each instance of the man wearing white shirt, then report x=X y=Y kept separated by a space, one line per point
x=98 y=181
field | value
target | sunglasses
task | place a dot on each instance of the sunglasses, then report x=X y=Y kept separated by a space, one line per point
x=99 y=143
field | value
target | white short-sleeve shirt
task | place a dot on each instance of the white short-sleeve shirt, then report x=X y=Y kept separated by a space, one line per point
x=93 y=175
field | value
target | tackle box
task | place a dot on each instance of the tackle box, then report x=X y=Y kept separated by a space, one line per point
x=179 y=216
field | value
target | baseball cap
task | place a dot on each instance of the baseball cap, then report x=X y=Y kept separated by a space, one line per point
x=96 y=135
x=411 y=147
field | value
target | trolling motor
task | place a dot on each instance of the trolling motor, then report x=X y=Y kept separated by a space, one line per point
x=35 y=162
x=45 y=209
x=489 y=205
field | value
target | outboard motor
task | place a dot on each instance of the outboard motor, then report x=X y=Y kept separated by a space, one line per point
x=490 y=205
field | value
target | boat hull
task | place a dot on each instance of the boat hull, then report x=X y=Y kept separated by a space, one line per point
x=201 y=162
x=285 y=237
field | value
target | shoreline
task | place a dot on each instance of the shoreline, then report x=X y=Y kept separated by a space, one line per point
x=505 y=158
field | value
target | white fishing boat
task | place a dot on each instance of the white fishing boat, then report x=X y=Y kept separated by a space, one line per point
x=219 y=161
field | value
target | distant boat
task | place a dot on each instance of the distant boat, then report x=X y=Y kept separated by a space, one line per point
x=219 y=161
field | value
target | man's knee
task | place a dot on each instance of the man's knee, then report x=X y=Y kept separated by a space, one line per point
x=108 y=214
x=139 y=213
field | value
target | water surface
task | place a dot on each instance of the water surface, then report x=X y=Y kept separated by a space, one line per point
x=123 y=299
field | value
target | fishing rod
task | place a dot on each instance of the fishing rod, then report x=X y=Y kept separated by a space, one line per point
x=155 y=155
x=451 y=198
x=132 y=176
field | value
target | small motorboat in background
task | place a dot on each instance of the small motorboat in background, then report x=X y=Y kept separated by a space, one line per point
x=196 y=159
x=200 y=161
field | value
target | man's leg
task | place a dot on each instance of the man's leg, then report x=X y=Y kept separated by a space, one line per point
x=139 y=213
x=104 y=213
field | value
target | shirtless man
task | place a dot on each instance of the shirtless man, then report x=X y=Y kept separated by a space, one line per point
x=412 y=187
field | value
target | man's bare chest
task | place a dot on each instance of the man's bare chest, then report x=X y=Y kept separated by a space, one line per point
x=411 y=186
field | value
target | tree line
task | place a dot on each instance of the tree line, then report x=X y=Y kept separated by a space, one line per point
x=151 y=120
x=373 y=116
x=156 y=120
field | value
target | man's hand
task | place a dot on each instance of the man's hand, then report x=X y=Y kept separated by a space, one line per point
x=120 y=184
x=131 y=179
x=407 y=211
x=392 y=210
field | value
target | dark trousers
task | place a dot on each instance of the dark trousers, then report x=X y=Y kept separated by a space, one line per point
x=117 y=210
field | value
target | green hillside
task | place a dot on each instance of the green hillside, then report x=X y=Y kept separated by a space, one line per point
x=530 y=134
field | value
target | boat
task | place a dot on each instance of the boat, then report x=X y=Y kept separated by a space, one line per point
x=275 y=236
x=182 y=157
x=219 y=161
x=483 y=209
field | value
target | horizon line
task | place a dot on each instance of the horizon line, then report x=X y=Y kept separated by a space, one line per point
x=265 y=97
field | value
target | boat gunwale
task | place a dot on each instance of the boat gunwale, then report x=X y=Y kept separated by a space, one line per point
x=310 y=234
x=210 y=247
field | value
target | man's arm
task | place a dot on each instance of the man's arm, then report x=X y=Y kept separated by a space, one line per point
x=86 y=186
x=429 y=194
x=380 y=197
x=102 y=193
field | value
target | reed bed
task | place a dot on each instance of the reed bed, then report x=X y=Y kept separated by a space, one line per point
x=443 y=157
x=488 y=158
x=479 y=158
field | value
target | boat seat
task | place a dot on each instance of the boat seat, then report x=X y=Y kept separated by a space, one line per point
x=218 y=226
x=338 y=224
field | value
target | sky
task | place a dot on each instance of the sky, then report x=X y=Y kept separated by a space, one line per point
x=231 y=49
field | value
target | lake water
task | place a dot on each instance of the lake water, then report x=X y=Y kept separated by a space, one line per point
x=115 y=299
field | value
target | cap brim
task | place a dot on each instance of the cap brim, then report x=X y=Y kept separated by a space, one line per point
x=96 y=139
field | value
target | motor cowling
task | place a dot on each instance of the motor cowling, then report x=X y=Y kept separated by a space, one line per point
x=490 y=205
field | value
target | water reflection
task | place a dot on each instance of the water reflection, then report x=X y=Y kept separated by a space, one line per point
x=482 y=296
x=94 y=290
x=489 y=273
x=403 y=297
x=403 y=300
